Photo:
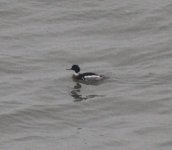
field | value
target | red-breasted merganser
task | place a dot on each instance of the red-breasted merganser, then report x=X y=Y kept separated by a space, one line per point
x=88 y=76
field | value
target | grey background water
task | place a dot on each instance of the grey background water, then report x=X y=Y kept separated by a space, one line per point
x=130 y=41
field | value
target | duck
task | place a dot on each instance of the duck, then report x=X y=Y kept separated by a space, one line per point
x=87 y=76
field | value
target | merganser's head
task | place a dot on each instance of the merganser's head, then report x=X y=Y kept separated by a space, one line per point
x=75 y=68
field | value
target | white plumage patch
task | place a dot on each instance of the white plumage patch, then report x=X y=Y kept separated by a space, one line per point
x=76 y=74
x=93 y=77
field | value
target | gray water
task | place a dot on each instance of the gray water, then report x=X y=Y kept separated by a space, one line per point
x=130 y=41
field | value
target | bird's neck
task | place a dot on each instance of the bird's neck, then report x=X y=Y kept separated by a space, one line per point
x=76 y=74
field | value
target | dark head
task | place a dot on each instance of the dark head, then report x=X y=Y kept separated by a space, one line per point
x=75 y=68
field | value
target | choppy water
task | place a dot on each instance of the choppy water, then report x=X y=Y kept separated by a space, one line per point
x=41 y=108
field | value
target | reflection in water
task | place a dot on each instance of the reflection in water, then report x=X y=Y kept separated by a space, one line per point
x=76 y=94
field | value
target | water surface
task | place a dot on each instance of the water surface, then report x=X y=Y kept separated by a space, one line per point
x=42 y=108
